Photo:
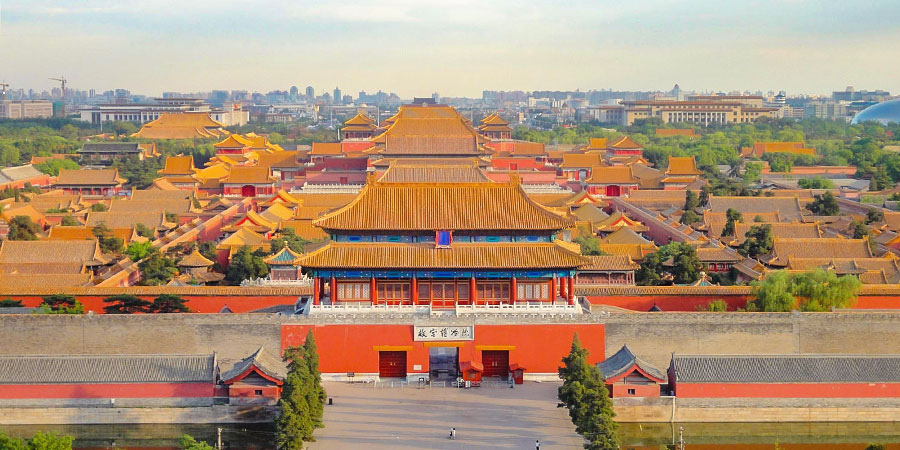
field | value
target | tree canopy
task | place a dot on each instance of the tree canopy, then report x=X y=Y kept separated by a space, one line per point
x=824 y=205
x=303 y=397
x=809 y=291
x=21 y=228
x=585 y=395
x=759 y=241
x=246 y=264
x=156 y=269
x=675 y=262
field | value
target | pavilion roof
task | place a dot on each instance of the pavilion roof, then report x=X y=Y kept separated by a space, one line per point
x=360 y=119
x=636 y=252
x=260 y=360
x=217 y=171
x=597 y=143
x=113 y=220
x=779 y=230
x=89 y=177
x=609 y=262
x=283 y=256
x=187 y=125
x=326 y=148
x=682 y=165
x=785 y=248
x=178 y=165
x=243 y=236
x=460 y=255
x=618 y=220
x=195 y=259
x=612 y=175
x=625 y=236
x=625 y=143
x=282 y=159
x=443 y=206
x=788 y=208
x=234 y=141
x=581 y=160
x=428 y=130
x=305 y=229
x=465 y=172
x=248 y=175
x=81 y=233
x=624 y=362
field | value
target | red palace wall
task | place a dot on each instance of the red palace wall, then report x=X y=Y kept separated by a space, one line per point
x=692 y=302
x=354 y=348
x=620 y=390
x=131 y=390
x=197 y=303
x=787 y=390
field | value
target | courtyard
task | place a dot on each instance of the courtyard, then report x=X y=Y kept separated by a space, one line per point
x=364 y=416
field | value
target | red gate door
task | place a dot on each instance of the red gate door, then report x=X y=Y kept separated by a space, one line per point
x=248 y=191
x=496 y=363
x=392 y=364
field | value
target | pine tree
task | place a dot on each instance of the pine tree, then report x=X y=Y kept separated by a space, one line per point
x=584 y=393
x=125 y=304
x=294 y=422
x=316 y=393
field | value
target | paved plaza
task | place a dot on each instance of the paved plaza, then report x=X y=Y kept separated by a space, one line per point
x=410 y=417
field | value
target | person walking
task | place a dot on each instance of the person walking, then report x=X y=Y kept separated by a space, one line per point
x=537 y=444
x=453 y=434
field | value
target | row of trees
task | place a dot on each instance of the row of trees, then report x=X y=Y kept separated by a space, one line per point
x=302 y=404
x=809 y=291
x=585 y=395
x=116 y=304
x=40 y=441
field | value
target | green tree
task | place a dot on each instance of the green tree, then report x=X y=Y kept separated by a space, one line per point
x=108 y=242
x=780 y=162
x=691 y=201
x=125 y=304
x=704 y=196
x=875 y=447
x=809 y=291
x=10 y=303
x=816 y=182
x=137 y=251
x=874 y=216
x=40 y=441
x=881 y=180
x=168 y=303
x=759 y=241
x=245 y=265
x=145 y=231
x=860 y=231
x=189 y=443
x=294 y=423
x=287 y=237
x=752 y=172
x=824 y=205
x=68 y=221
x=589 y=243
x=717 y=305
x=731 y=217
x=52 y=166
x=58 y=302
x=21 y=228
x=98 y=207
x=585 y=395
x=156 y=269
x=690 y=217
x=676 y=262
x=315 y=391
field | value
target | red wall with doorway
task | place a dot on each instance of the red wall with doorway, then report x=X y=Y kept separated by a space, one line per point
x=354 y=348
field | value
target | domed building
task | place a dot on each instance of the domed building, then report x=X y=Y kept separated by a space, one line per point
x=884 y=112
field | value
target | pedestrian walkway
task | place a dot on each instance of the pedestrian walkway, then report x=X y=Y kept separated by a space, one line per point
x=366 y=418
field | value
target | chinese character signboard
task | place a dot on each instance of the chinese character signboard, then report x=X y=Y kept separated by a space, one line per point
x=440 y=333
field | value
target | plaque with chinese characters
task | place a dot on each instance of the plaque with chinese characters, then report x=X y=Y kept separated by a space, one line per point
x=440 y=333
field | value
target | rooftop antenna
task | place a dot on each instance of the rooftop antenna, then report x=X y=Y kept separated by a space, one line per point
x=62 y=81
x=3 y=87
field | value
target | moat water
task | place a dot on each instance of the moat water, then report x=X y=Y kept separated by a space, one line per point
x=706 y=436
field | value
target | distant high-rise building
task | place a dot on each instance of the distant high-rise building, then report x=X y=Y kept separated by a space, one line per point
x=436 y=97
x=336 y=96
x=310 y=93
x=347 y=99
x=92 y=93
x=294 y=91
x=218 y=98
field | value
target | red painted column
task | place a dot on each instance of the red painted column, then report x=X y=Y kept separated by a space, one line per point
x=552 y=289
x=562 y=288
x=473 y=296
x=372 y=294
x=334 y=298
x=415 y=290
x=512 y=290
x=316 y=290
x=571 y=290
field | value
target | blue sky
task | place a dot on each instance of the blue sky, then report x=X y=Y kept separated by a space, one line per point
x=457 y=48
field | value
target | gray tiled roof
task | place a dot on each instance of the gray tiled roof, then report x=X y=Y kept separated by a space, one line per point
x=110 y=147
x=622 y=361
x=21 y=172
x=787 y=369
x=96 y=369
x=268 y=364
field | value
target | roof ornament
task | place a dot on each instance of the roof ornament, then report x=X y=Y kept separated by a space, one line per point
x=514 y=179
x=370 y=178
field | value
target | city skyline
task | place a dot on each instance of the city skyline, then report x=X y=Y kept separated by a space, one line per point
x=416 y=48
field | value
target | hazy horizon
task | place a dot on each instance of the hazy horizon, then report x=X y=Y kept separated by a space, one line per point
x=415 y=48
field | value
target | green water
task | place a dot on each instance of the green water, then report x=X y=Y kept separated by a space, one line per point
x=725 y=436
x=752 y=436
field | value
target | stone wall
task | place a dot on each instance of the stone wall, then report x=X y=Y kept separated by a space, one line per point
x=633 y=410
x=652 y=336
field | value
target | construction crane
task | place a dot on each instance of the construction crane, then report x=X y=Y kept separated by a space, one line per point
x=3 y=87
x=62 y=80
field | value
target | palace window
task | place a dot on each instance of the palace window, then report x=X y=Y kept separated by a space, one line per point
x=353 y=291
x=493 y=291
x=393 y=292
x=533 y=291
